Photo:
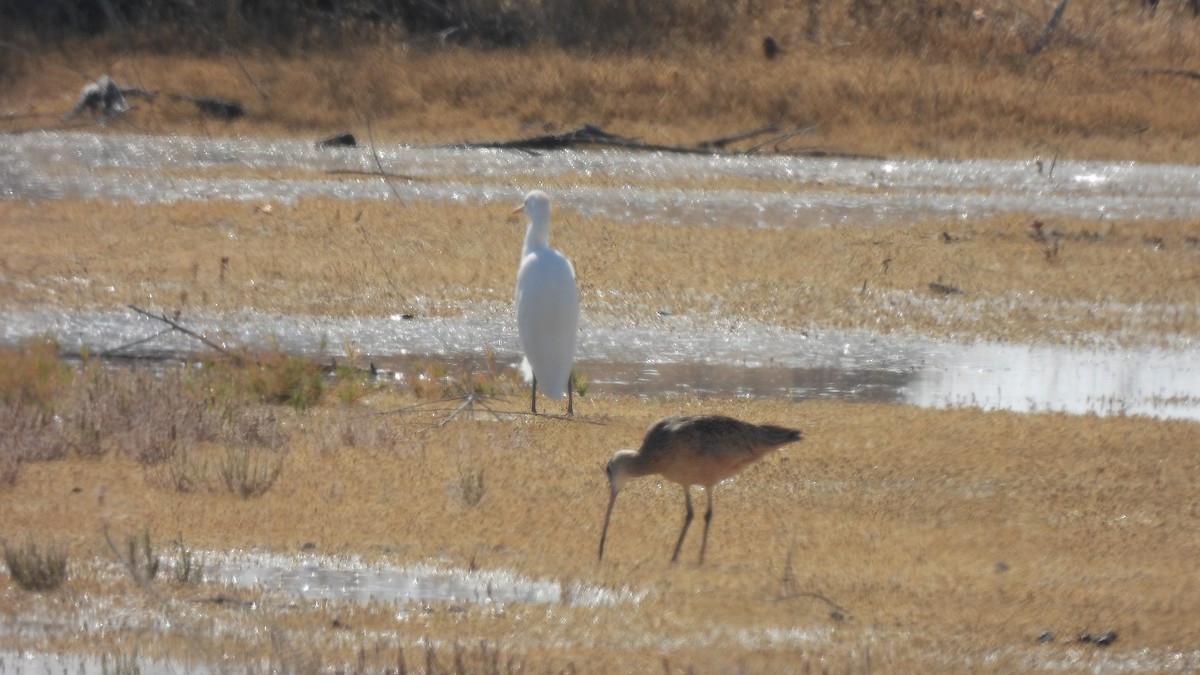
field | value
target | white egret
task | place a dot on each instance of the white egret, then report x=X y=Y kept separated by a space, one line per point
x=547 y=304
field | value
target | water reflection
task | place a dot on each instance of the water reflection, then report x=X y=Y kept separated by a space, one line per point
x=670 y=357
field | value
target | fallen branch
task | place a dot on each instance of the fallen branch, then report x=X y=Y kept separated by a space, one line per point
x=186 y=331
x=589 y=134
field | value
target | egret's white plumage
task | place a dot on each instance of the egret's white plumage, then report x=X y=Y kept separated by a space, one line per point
x=547 y=304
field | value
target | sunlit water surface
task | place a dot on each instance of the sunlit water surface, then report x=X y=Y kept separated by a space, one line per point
x=659 y=187
x=676 y=355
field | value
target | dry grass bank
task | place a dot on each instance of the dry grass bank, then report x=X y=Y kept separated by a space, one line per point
x=870 y=78
x=948 y=540
x=1073 y=281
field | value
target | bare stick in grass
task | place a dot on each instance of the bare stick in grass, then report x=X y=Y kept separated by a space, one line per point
x=1040 y=44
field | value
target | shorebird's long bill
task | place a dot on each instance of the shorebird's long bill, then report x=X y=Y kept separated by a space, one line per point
x=612 y=500
x=519 y=210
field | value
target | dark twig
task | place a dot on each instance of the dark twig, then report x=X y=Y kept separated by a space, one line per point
x=734 y=138
x=1180 y=72
x=1040 y=44
x=253 y=83
x=115 y=350
x=360 y=172
x=358 y=219
x=816 y=596
x=789 y=592
x=775 y=140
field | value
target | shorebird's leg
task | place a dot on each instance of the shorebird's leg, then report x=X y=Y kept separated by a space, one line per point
x=533 y=397
x=687 y=520
x=707 y=520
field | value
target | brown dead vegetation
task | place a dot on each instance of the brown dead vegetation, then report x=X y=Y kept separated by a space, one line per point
x=940 y=540
x=905 y=78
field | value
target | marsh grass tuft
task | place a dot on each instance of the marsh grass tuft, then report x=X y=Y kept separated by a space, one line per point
x=471 y=487
x=250 y=471
x=188 y=567
x=121 y=664
x=32 y=375
x=137 y=556
x=35 y=570
x=182 y=471
x=281 y=378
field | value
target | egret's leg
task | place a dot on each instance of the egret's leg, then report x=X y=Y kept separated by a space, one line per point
x=571 y=393
x=533 y=397
x=707 y=520
x=687 y=520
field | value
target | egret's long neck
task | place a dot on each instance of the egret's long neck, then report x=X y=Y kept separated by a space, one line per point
x=537 y=235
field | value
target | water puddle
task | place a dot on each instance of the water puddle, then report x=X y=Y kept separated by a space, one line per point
x=675 y=355
x=662 y=188
x=324 y=578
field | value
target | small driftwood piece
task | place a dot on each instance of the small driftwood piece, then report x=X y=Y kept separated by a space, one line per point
x=944 y=289
x=342 y=140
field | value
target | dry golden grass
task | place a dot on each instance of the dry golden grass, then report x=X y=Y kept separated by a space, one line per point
x=949 y=539
x=875 y=78
x=1081 y=280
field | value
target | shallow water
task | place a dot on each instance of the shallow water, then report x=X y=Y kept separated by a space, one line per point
x=317 y=578
x=677 y=355
x=665 y=188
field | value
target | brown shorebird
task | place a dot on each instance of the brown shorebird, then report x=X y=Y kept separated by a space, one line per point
x=693 y=450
